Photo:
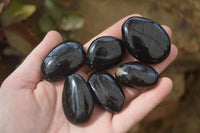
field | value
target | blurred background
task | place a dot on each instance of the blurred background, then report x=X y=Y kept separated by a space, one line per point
x=23 y=23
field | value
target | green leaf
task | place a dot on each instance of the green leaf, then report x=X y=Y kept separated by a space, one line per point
x=4 y=4
x=16 y=12
x=71 y=21
x=1 y=7
x=21 y=38
x=18 y=42
x=9 y=51
x=46 y=23
x=54 y=8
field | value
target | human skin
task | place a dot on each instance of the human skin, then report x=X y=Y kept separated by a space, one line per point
x=30 y=104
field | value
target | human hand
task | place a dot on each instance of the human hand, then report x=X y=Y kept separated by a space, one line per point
x=30 y=104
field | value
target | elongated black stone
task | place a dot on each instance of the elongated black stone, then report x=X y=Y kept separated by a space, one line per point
x=107 y=91
x=105 y=52
x=77 y=100
x=63 y=60
x=146 y=40
x=137 y=75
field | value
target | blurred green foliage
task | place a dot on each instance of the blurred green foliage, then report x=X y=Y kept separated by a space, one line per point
x=23 y=24
x=21 y=36
x=16 y=12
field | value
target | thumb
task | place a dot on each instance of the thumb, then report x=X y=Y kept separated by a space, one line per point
x=27 y=75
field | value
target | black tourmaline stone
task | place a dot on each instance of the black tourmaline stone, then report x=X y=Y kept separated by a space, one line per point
x=146 y=40
x=77 y=100
x=105 y=52
x=63 y=60
x=107 y=91
x=137 y=75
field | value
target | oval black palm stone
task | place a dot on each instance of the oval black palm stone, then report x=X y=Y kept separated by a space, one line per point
x=105 y=52
x=137 y=75
x=77 y=100
x=146 y=40
x=63 y=60
x=107 y=91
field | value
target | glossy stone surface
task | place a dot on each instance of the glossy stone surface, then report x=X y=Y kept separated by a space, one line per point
x=105 y=52
x=146 y=40
x=107 y=91
x=137 y=75
x=63 y=60
x=77 y=100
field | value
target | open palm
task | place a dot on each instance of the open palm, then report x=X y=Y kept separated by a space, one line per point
x=32 y=105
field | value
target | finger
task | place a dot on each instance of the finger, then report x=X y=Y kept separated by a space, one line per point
x=141 y=106
x=172 y=55
x=28 y=73
x=168 y=30
x=158 y=67
x=132 y=93
x=115 y=31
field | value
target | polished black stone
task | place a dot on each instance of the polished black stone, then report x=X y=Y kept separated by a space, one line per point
x=63 y=60
x=105 y=52
x=137 y=75
x=77 y=100
x=146 y=40
x=107 y=91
